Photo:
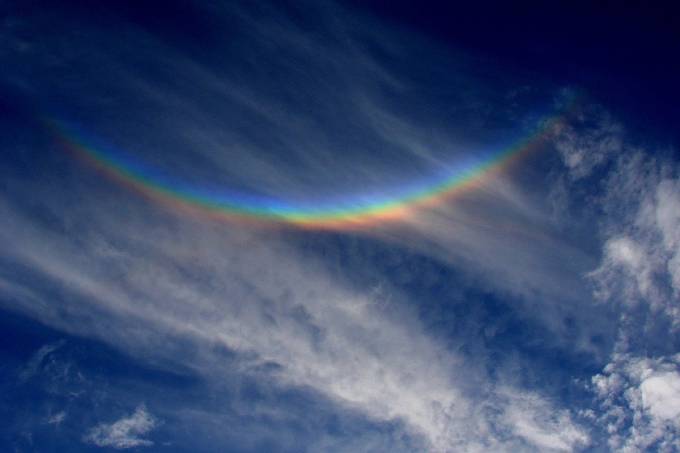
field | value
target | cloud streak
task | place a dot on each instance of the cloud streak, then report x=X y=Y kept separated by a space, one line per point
x=127 y=432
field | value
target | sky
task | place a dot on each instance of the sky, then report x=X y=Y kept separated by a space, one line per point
x=339 y=226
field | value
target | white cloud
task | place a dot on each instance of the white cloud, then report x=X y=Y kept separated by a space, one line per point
x=638 y=212
x=625 y=265
x=134 y=275
x=642 y=244
x=661 y=395
x=640 y=402
x=253 y=294
x=625 y=252
x=324 y=335
x=668 y=222
x=543 y=426
x=56 y=419
x=499 y=232
x=127 y=432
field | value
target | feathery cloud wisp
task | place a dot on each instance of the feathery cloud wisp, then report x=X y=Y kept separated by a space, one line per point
x=127 y=432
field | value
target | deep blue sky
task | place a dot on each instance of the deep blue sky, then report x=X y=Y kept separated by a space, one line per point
x=621 y=53
x=533 y=310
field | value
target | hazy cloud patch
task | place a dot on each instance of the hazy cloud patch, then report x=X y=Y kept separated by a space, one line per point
x=127 y=432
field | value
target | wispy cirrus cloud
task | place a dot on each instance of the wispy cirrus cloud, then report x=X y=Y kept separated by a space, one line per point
x=126 y=432
x=328 y=109
x=34 y=364
x=57 y=418
x=318 y=333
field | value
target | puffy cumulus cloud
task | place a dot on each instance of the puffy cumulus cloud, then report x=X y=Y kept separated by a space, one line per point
x=639 y=400
x=661 y=395
x=127 y=432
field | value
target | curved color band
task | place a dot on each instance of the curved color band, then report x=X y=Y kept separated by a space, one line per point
x=348 y=214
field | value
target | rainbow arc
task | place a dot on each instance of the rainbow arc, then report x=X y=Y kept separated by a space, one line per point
x=350 y=213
